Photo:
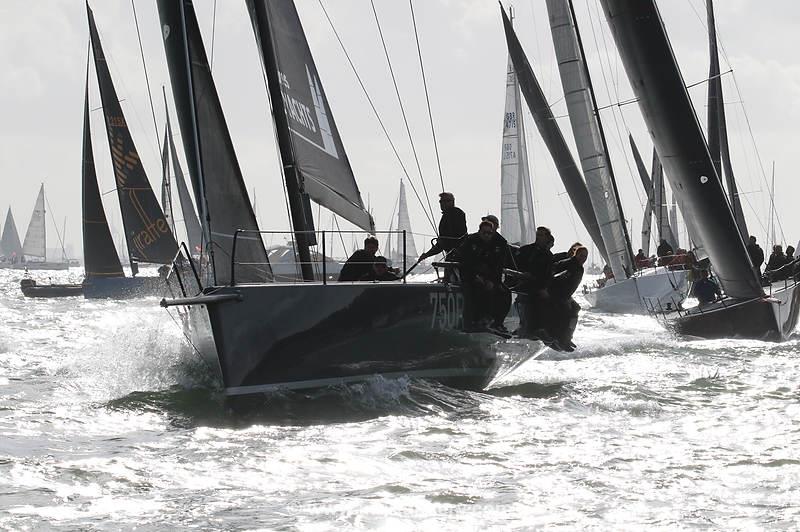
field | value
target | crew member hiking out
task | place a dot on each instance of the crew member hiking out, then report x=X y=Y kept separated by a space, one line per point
x=452 y=226
x=535 y=262
x=481 y=260
x=567 y=276
x=360 y=263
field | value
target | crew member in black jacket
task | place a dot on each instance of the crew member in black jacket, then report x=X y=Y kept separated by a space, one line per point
x=452 y=226
x=360 y=263
x=567 y=276
x=535 y=261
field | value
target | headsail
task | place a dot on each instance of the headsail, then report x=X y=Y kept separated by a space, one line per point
x=217 y=180
x=588 y=132
x=166 y=186
x=100 y=257
x=673 y=223
x=318 y=152
x=647 y=220
x=404 y=224
x=194 y=233
x=717 y=127
x=657 y=81
x=660 y=205
x=147 y=232
x=34 y=244
x=552 y=136
x=10 y=246
x=516 y=200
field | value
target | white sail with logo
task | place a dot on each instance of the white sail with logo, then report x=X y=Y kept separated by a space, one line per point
x=516 y=199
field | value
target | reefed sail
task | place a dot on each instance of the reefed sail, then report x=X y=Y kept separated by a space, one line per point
x=213 y=167
x=34 y=244
x=147 y=232
x=516 y=199
x=317 y=149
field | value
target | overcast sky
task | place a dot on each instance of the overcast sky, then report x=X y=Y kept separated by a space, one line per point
x=43 y=47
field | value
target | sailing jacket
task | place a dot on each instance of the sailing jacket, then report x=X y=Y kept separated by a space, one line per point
x=452 y=229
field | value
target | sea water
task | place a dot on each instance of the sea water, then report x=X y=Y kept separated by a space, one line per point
x=109 y=421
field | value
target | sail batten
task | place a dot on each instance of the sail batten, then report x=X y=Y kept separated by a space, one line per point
x=658 y=84
x=217 y=180
x=147 y=232
x=552 y=136
x=588 y=134
x=516 y=200
x=100 y=257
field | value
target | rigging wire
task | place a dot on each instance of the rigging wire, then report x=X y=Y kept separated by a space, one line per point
x=213 y=35
x=402 y=110
x=427 y=98
x=146 y=77
x=377 y=115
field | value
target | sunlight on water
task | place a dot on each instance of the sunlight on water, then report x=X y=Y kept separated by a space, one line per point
x=108 y=420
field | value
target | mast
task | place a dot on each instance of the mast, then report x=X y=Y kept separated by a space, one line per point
x=294 y=187
x=552 y=136
x=657 y=82
x=589 y=136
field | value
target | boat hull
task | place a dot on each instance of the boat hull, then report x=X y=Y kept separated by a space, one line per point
x=662 y=289
x=52 y=290
x=771 y=318
x=38 y=266
x=313 y=335
x=123 y=287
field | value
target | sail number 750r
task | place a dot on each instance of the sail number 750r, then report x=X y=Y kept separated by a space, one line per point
x=448 y=311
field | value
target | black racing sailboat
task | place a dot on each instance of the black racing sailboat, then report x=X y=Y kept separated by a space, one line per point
x=746 y=310
x=268 y=335
x=147 y=233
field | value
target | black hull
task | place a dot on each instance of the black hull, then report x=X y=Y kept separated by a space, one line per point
x=309 y=336
x=53 y=290
x=772 y=318
x=123 y=287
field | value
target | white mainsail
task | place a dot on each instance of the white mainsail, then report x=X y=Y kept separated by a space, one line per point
x=404 y=224
x=516 y=200
x=588 y=137
x=34 y=244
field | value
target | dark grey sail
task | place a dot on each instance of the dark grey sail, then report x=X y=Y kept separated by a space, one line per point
x=166 y=186
x=100 y=257
x=217 y=180
x=717 y=124
x=647 y=220
x=658 y=84
x=552 y=136
x=318 y=154
x=194 y=232
x=660 y=205
x=10 y=245
x=147 y=232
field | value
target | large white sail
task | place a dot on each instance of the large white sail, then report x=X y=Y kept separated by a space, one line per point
x=516 y=200
x=588 y=137
x=34 y=243
x=404 y=224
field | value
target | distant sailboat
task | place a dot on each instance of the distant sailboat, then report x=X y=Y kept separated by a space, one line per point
x=10 y=245
x=34 y=246
x=517 y=220
x=400 y=259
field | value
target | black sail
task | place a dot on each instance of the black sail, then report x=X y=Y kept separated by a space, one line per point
x=166 y=186
x=10 y=244
x=100 y=257
x=317 y=149
x=552 y=136
x=658 y=84
x=647 y=219
x=717 y=126
x=146 y=230
x=219 y=188
x=194 y=233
